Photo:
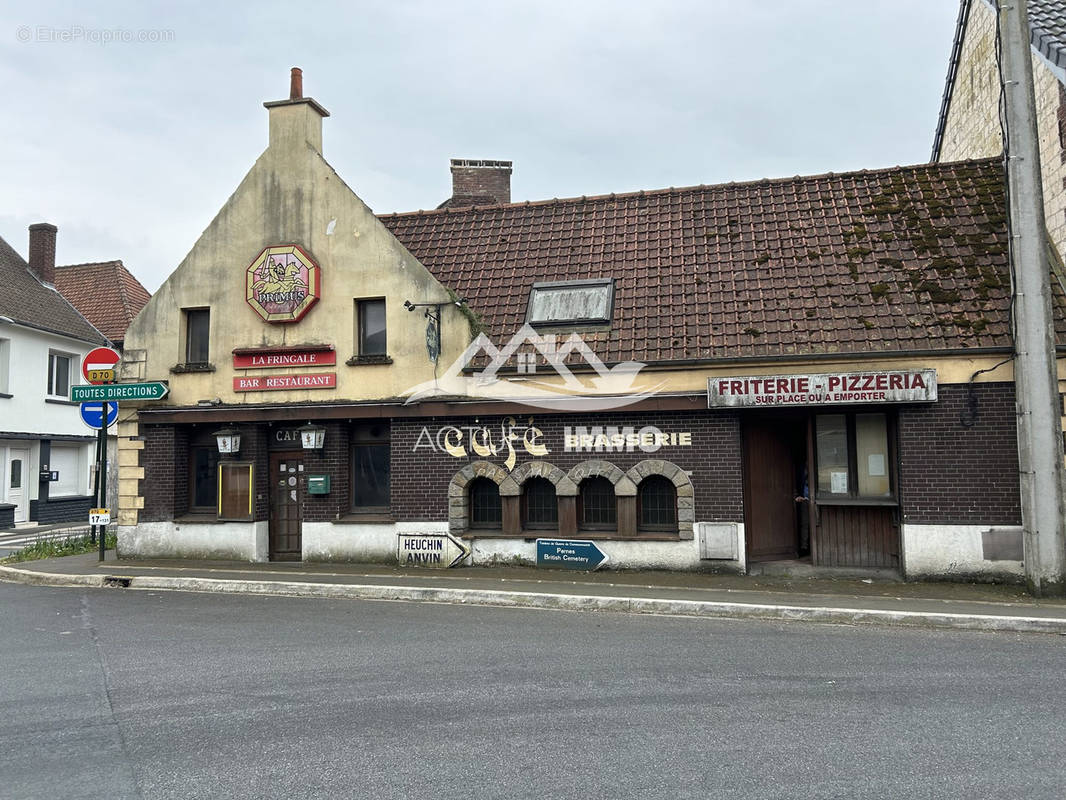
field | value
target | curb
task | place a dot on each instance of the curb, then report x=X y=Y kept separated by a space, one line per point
x=558 y=602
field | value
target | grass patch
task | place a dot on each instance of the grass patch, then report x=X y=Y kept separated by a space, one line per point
x=54 y=548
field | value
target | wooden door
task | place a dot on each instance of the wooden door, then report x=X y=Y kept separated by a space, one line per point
x=286 y=506
x=770 y=491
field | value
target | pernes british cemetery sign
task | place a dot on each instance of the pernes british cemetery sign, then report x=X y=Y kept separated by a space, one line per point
x=894 y=386
x=153 y=390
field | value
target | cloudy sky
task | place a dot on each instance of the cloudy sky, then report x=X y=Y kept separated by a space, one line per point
x=129 y=124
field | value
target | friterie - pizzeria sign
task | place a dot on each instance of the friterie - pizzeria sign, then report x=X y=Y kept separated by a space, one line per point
x=282 y=283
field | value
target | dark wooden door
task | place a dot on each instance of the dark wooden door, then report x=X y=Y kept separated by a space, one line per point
x=286 y=506
x=770 y=491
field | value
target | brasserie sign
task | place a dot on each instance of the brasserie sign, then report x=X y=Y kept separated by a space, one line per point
x=893 y=386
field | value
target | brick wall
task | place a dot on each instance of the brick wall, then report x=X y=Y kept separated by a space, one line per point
x=333 y=460
x=165 y=458
x=959 y=457
x=476 y=178
x=420 y=476
x=972 y=127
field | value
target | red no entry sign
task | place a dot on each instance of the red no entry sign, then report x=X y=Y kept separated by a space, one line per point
x=99 y=365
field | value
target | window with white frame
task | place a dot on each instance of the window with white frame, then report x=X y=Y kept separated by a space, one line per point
x=60 y=366
x=582 y=302
x=5 y=365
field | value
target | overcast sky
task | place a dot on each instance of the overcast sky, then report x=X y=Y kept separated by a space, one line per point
x=131 y=147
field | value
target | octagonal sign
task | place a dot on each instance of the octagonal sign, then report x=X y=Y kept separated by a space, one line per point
x=283 y=283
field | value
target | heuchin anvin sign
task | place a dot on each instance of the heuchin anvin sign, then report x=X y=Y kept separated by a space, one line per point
x=894 y=386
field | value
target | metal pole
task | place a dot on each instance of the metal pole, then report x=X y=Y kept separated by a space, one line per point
x=96 y=489
x=101 y=472
x=1040 y=440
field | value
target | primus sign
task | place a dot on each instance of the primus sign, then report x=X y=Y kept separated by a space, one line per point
x=897 y=386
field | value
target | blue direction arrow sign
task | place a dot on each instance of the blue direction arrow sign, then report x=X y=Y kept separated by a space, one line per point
x=92 y=414
x=569 y=554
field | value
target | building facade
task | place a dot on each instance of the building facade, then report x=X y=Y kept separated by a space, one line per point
x=705 y=378
x=46 y=452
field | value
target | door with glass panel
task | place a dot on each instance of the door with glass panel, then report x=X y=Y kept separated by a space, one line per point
x=15 y=479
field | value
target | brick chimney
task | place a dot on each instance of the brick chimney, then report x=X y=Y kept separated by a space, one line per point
x=477 y=182
x=296 y=122
x=43 y=252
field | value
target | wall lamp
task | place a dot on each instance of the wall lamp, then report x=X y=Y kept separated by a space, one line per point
x=312 y=437
x=228 y=440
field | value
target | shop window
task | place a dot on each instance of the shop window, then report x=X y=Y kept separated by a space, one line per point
x=853 y=457
x=370 y=467
x=203 y=478
x=370 y=327
x=59 y=367
x=234 y=490
x=597 y=507
x=657 y=505
x=540 y=509
x=197 y=336
x=486 y=508
x=585 y=302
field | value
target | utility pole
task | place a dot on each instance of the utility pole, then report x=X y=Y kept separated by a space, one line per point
x=1040 y=440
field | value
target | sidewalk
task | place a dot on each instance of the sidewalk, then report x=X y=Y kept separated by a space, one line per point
x=827 y=600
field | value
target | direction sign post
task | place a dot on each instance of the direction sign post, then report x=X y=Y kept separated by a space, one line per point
x=435 y=550
x=580 y=554
x=153 y=390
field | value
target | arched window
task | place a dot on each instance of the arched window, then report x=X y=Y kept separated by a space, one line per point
x=597 y=508
x=540 y=509
x=657 y=505
x=486 y=511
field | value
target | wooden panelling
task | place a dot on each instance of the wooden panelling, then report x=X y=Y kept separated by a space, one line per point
x=857 y=536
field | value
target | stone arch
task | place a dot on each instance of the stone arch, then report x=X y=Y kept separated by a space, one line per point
x=597 y=468
x=677 y=476
x=564 y=487
x=458 y=499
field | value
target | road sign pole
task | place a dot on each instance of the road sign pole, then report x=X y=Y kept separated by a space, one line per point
x=101 y=479
x=96 y=487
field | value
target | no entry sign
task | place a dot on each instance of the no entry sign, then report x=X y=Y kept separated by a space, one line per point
x=99 y=365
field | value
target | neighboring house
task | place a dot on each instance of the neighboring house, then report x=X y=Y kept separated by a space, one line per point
x=663 y=372
x=46 y=452
x=969 y=124
x=106 y=294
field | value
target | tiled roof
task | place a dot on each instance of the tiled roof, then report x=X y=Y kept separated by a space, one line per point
x=26 y=300
x=106 y=293
x=1047 y=29
x=901 y=259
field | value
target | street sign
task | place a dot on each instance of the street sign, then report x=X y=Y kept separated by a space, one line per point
x=99 y=365
x=92 y=414
x=570 y=554
x=99 y=516
x=153 y=390
x=434 y=550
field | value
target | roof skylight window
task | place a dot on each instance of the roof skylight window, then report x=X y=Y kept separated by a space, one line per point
x=587 y=302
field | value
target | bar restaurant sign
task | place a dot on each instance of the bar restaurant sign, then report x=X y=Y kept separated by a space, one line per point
x=895 y=386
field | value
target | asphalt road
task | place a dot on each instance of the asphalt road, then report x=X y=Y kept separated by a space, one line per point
x=126 y=694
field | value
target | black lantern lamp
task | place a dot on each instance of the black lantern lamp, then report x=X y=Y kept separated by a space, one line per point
x=312 y=437
x=229 y=441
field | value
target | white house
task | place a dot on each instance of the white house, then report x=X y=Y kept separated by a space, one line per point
x=46 y=451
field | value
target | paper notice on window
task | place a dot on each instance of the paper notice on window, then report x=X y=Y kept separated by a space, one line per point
x=838 y=482
x=875 y=465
